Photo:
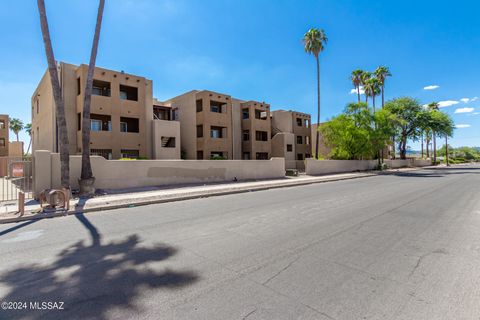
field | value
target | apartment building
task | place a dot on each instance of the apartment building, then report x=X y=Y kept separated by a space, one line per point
x=206 y=124
x=122 y=115
x=4 y=139
x=291 y=135
x=255 y=126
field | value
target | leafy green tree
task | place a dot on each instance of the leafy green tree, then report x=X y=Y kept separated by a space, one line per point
x=314 y=42
x=407 y=111
x=16 y=125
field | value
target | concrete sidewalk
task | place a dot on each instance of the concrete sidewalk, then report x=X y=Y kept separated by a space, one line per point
x=144 y=196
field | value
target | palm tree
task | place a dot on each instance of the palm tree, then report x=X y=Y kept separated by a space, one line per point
x=314 y=42
x=363 y=80
x=372 y=89
x=434 y=106
x=356 y=79
x=382 y=73
x=58 y=98
x=87 y=180
x=16 y=125
x=28 y=129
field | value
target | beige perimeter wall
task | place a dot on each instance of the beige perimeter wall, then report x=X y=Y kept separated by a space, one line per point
x=119 y=174
x=316 y=167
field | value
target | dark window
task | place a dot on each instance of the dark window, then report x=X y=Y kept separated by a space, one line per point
x=216 y=106
x=2 y=143
x=38 y=106
x=199 y=155
x=261 y=135
x=130 y=154
x=2 y=124
x=101 y=88
x=129 y=124
x=289 y=148
x=106 y=153
x=79 y=121
x=246 y=135
x=217 y=155
x=199 y=105
x=175 y=115
x=200 y=131
x=299 y=156
x=299 y=140
x=216 y=132
x=168 y=142
x=259 y=114
x=100 y=122
x=262 y=156
x=246 y=156
x=79 y=88
x=299 y=122
x=245 y=114
x=161 y=113
x=128 y=93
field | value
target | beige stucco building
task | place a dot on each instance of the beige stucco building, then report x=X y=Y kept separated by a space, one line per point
x=122 y=115
x=4 y=131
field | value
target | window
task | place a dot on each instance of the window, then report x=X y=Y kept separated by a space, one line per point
x=307 y=123
x=245 y=114
x=246 y=156
x=259 y=114
x=299 y=140
x=38 y=106
x=95 y=125
x=217 y=107
x=161 y=113
x=199 y=105
x=129 y=125
x=216 y=132
x=289 y=148
x=200 y=131
x=299 y=156
x=261 y=136
x=299 y=122
x=101 y=88
x=128 y=93
x=130 y=154
x=78 y=86
x=175 y=115
x=2 y=142
x=106 y=153
x=79 y=121
x=246 y=135
x=2 y=124
x=168 y=142
x=262 y=156
x=217 y=155
x=307 y=140
x=199 y=155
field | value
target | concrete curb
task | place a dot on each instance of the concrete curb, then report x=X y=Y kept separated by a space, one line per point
x=206 y=194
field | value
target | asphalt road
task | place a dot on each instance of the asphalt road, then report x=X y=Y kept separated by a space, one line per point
x=404 y=246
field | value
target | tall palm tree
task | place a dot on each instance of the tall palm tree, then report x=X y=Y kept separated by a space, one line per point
x=28 y=129
x=314 y=42
x=87 y=180
x=382 y=73
x=58 y=98
x=356 y=79
x=16 y=125
x=365 y=75
x=434 y=106
x=372 y=89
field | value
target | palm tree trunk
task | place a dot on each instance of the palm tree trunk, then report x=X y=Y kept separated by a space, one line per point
x=428 y=151
x=317 y=139
x=434 y=149
x=383 y=97
x=394 y=147
x=358 y=93
x=57 y=95
x=29 y=145
x=422 y=144
x=16 y=133
x=446 y=150
x=86 y=173
x=373 y=102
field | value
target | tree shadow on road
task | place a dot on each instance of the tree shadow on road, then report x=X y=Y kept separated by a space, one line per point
x=93 y=280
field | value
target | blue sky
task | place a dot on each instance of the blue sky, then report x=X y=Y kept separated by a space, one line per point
x=253 y=50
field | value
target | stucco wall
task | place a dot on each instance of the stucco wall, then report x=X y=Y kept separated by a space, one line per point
x=119 y=174
x=398 y=163
x=164 y=128
x=422 y=162
x=15 y=149
x=317 y=167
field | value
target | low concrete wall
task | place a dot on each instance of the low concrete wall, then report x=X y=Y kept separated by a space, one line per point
x=318 y=167
x=422 y=162
x=119 y=174
x=398 y=163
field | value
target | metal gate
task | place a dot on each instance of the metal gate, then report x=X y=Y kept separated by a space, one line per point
x=16 y=175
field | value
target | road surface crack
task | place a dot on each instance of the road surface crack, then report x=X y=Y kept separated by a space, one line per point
x=249 y=314
x=282 y=270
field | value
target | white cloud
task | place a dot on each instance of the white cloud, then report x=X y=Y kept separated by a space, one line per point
x=459 y=126
x=431 y=87
x=464 y=110
x=474 y=99
x=354 y=91
x=447 y=103
x=465 y=100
